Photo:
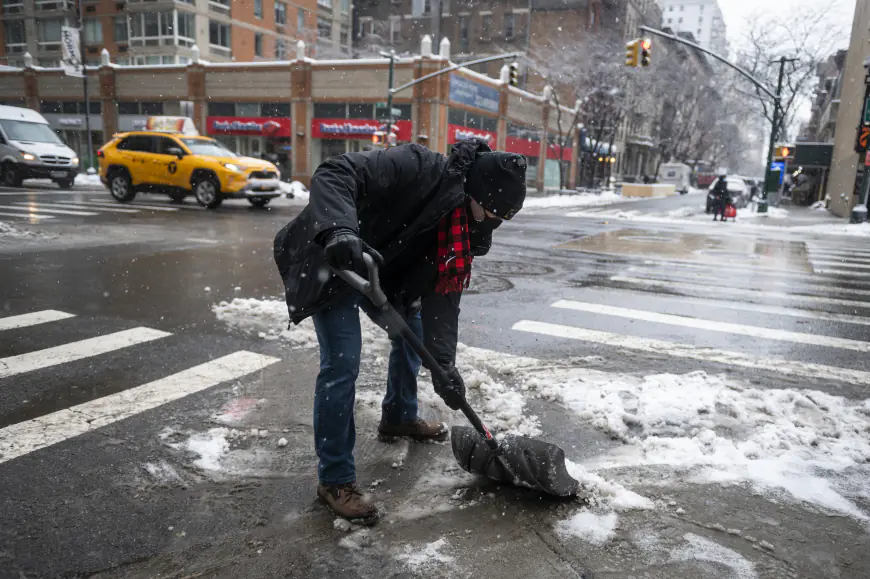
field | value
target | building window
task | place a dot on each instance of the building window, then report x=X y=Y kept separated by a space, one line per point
x=258 y=8
x=510 y=22
x=16 y=37
x=275 y=109
x=325 y=4
x=140 y=108
x=486 y=25
x=219 y=36
x=221 y=109
x=93 y=31
x=120 y=29
x=680 y=20
x=300 y=20
x=219 y=5
x=186 y=28
x=248 y=109
x=330 y=110
x=670 y=20
x=13 y=6
x=395 y=30
x=463 y=33
x=48 y=33
x=280 y=13
x=360 y=111
x=344 y=35
x=280 y=49
x=156 y=29
x=324 y=28
x=345 y=6
x=258 y=45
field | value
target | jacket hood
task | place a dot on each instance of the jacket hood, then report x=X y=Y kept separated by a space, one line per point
x=463 y=155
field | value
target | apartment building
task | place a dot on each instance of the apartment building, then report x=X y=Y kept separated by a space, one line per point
x=149 y=32
x=826 y=102
x=702 y=18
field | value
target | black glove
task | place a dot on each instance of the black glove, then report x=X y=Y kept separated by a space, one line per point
x=343 y=249
x=453 y=393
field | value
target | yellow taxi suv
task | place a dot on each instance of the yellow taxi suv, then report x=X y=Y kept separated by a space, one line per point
x=178 y=165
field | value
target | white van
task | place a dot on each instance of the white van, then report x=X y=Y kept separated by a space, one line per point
x=29 y=149
x=676 y=174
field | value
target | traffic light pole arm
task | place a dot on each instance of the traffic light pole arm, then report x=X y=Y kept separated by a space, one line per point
x=718 y=57
x=452 y=68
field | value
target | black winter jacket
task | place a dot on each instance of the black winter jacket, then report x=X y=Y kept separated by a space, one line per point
x=388 y=197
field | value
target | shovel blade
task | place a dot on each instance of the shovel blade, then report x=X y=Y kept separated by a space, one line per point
x=521 y=461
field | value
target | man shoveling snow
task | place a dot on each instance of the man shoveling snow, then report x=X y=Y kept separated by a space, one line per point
x=424 y=216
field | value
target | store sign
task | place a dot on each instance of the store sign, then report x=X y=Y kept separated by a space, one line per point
x=472 y=94
x=456 y=133
x=70 y=122
x=526 y=147
x=356 y=129
x=253 y=126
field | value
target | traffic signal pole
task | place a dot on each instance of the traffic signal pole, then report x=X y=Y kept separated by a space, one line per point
x=776 y=96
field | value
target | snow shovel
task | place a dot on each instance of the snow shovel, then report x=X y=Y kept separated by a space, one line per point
x=518 y=460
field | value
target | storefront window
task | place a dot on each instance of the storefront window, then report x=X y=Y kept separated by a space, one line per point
x=361 y=111
x=456 y=117
x=405 y=111
x=221 y=109
x=248 y=109
x=489 y=124
x=50 y=107
x=275 y=109
x=330 y=110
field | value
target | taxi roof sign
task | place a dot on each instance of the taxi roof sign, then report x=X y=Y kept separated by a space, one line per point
x=183 y=125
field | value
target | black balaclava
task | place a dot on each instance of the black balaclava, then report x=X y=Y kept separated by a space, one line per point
x=497 y=181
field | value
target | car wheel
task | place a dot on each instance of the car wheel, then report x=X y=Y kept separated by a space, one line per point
x=12 y=175
x=65 y=183
x=259 y=201
x=177 y=196
x=121 y=187
x=207 y=192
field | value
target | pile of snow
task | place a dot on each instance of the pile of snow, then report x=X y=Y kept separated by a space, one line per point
x=772 y=213
x=596 y=490
x=574 y=200
x=9 y=231
x=298 y=190
x=428 y=556
x=779 y=440
x=588 y=526
x=856 y=229
x=89 y=179
x=210 y=447
x=269 y=319
x=819 y=206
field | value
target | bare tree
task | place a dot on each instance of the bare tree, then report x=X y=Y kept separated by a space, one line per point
x=810 y=36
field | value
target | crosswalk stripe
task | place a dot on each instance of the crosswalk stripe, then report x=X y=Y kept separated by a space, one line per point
x=715 y=326
x=768 y=283
x=136 y=205
x=759 y=271
x=843 y=272
x=34 y=209
x=846 y=256
x=822 y=263
x=77 y=350
x=773 y=310
x=31 y=435
x=72 y=205
x=26 y=215
x=738 y=292
x=33 y=319
x=772 y=364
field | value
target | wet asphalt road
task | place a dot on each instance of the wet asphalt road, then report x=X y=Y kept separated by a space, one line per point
x=84 y=505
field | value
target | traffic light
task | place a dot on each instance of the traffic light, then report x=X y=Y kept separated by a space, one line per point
x=514 y=74
x=645 y=52
x=783 y=152
x=632 y=53
x=378 y=138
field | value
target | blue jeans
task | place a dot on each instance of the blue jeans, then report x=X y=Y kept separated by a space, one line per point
x=339 y=336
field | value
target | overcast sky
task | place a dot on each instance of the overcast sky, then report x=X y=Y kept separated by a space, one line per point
x=736 y=13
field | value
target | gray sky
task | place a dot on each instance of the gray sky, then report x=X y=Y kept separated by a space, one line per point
x=736 y=13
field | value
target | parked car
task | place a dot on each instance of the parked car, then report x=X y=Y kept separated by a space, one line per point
x=177 y=165
x=29 y=149
x=676 y=174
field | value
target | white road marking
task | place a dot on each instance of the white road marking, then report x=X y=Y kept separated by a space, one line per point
x=136 y=205
x=773 y=364
x=821 y=263
x=26 y=215
x=76 y=205
x=33 y=208
x=73 y=351
x=774 y=310
x=31 y=192
x=202 y=240
x=767 y=283
x=31 y=435
x=738 y=292
x=843 y=272
x=716 y=326
x=33 y=319
x=845 y=256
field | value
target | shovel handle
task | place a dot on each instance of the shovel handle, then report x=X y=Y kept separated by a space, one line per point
x=371 y=288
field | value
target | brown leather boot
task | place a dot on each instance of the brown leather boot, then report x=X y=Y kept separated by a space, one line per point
x=349 y=502
x=419 y=430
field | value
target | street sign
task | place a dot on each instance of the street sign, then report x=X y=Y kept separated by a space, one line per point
x=380 y=105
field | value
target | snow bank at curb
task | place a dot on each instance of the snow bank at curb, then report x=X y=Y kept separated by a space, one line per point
x=298 y=190
x=578 y=200
x=9 y=231
x=777 y=440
